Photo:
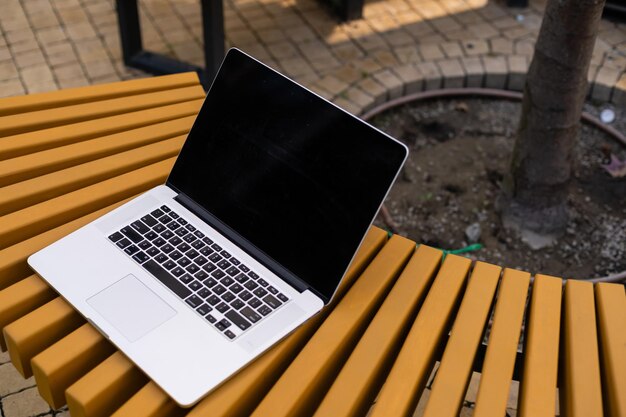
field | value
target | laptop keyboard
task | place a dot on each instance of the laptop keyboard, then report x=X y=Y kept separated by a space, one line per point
x=220 y=288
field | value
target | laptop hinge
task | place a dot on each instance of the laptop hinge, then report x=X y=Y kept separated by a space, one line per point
x=244 y=244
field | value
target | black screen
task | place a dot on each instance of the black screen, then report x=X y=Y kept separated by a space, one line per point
x=294 y=175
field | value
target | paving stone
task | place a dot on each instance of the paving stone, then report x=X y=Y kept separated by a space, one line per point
x=348 y=106
x=452 y=49
x=474 y=71
x=361 y=99
x=374 y=89
x=348 y=74
x=314 y=50
x=591 y=74
x=518 y=67
x=67 y=72
x=24 y=404
x=473 y=47
x=391 y=82
x=51 y=35
x=524 y=47
x=332 y=84
x=445 y=24
x=501 y=46
x=347 y=51
x=431 y=75
x=604 y=82
x=421 y=404
x=619 y=92
x=24 y=46
x=8 y=70
x=366 y=66
x=4 y=356
x=484 y=31
x=9 y=88
x=300 y=33
x=72 y=15
x=30 y=58
x=324 y=64
x=398 y=37
x=283 y=49
x=19 y=35
x=452 y=72
x=495 y=71
x=295 y=67
x=41 y=86
x=407 y=54
x=60 y=54
x=431 y=52
x=516 y=33
x=12 y=381
x=43 y=20
x=371 y=42
x=411 y=78
x=385 y=58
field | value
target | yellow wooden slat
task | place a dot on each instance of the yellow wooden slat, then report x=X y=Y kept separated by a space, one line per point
x=611 y=309
x=580 y=389
x=407 y=378
x=36 y=190
x=38 y=218
x=149 y=401
x=454 y=372
x=37 y=330
x=101 y=391
x=257 y=378
x=537 y=396
x=22 y=298
x=39 y=163
x=13 y=266
x=43 y=119
x=63 y=363
x=306 y=379
x=355 y=387
x=497 y=371
x=27 y=143
x=71 y=96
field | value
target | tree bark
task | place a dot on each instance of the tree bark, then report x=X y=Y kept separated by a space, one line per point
x=537 y=185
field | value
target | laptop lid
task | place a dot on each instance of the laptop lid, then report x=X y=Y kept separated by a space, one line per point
x=287 y=175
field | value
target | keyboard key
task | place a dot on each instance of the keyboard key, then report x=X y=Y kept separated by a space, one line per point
x=253 y=275
x=182 y=231
x=201 y=260
x=259 y=292
x=272 y=290
x=169 y=265
x=123 y=243
x=159 y=242
x=167 y=235
x=225 y=323
x=189 y=238
x=207 y=241
x=165 y=208
x=140 y=257
x=226 y=281
x=251 y=285
x=191 y=253
x=245 y=295
x=264 y=310
x=194 y=301
x=218 y=273
x=201 y=275
x=153 y=251
x=250 y=314
x=236 y=288
x=175 y=255
x=178 y=271
x=175 y=241
x=211 y=319
x=149 y=220
x=158 y=228
x=190 y=228
x=210 y=282
x=165 y=219
x=204 y=309
x=216 y=247
x=182 y=221
x=157 y=213
x=195 y=285
x=140 y=227
x=219 y=289
x=131 y=250
x=167 y=248
x=160 y=258
x=271 y=301
x=198 y=234
x=237 y=304
x=220 y=327
x=173 y=225
x=232 y=271
x=222 y=307
x=239 y=321
x=186 y=278
x=235 y=261
x=197 y=244
x=241 y=278
x=151 y=235
x=209 y=267
x=144 y=244
x=184 y=261
x=206 y=251
x=213 y=300
x=130 y=233
x=183 y=247
x=262 y=282
x=116 y=236
x=228 y=297
x=173 y=215
x=225 y=254
x=192 y=269
x=167 y=279
x=229 y=334
x=282 y=297
x=215 y=257
x=255 y=302
x=204 y=292
x=244 y=268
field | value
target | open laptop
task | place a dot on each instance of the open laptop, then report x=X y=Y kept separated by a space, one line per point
x=260 y=217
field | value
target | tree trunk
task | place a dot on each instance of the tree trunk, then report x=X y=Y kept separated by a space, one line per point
x=556 y=85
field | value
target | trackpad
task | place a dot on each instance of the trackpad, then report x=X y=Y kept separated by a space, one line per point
x=131 y=307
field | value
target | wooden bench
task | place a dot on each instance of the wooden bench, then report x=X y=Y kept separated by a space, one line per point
x=68 y=157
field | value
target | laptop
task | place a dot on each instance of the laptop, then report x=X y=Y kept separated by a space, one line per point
x=263 y=211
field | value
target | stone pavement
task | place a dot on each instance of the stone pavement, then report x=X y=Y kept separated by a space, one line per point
x=400 y=47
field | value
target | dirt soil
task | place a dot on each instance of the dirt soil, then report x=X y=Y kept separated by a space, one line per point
x=459 y=152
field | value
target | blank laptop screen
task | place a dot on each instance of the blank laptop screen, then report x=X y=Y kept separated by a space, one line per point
x=297 y=177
